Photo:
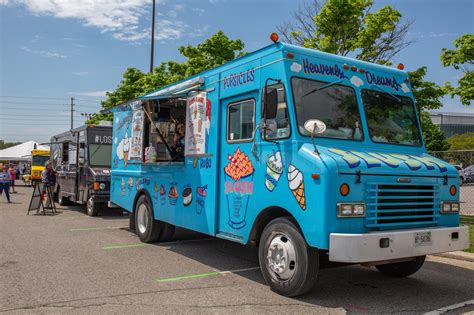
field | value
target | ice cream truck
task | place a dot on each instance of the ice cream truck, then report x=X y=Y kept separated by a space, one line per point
x=310 y=156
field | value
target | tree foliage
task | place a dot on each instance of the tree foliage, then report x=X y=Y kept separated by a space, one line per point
x=427 y=94
x=461 y=58
x=432 y=134
x=213 y=52
x=4 y=145
x=348 y=26
x=462 y=142
x=428 y=97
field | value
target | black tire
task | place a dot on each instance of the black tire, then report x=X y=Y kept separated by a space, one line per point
x=147 y=229
x=303 y=269
x=63 y=200
x=92 y=207
x=402 y=269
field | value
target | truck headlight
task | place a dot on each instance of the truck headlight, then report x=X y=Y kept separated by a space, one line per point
x=450 y=207
x=350 y=210
x=102 y=186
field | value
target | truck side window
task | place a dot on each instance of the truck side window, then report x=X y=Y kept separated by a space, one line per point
x=282 y=119
x=241 y=121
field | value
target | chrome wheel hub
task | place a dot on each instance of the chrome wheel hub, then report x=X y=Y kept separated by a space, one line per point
x=142 y=218
x=281 y=257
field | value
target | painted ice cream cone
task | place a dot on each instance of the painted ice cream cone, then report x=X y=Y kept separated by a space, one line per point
x=274 y=171
x=126 y=148
x=296 y=184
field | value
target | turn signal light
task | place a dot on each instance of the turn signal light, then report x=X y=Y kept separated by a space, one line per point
x=274 y=37
x=344 y=189
x=453 y=190
x=96 y=186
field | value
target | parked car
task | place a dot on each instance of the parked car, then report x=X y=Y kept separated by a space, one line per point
x=469 y=172
x=462 y=175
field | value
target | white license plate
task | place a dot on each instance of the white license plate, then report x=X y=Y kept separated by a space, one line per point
x=422 y=238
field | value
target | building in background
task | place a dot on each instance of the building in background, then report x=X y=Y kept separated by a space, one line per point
x=453 y=123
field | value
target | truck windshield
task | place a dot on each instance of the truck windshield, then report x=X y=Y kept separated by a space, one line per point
x=100 y=154
x=391 y=120
x=40 y=160
x=335 y=105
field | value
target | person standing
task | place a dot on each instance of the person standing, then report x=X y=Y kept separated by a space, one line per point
x=5 y=182
x=48 y=175
x=12 y=177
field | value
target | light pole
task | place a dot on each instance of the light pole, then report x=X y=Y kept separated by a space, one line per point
x=152 y=37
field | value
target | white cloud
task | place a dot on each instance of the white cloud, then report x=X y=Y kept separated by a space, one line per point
x=296 y=67
x=80 y=73
x=120 y=17
x=43 y=53
x=91 y=93
x=198 y=32
x=199 y=11
x=355 y=80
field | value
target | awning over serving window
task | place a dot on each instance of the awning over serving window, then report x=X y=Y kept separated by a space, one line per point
x=179 y=89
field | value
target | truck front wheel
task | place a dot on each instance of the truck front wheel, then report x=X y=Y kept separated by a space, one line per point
x=402 y=269
x=289 y=266
x=92 y=207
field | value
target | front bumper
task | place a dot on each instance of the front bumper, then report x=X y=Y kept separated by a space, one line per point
x=362 y=248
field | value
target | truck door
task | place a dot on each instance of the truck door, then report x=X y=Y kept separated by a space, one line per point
x=80 y=183
x=238 y=121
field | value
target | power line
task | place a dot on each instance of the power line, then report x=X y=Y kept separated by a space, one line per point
x=34 y=97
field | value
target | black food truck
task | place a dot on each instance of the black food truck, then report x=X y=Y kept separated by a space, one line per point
x=81 y=158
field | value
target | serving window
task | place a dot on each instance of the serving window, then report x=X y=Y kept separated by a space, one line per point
x=165 y=117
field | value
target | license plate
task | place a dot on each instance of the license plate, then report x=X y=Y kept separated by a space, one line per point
x=422 y=238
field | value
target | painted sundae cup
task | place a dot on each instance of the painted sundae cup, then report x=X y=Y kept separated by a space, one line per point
x=173 y=195
x=239 y=187
x=187 y=196
x=201 y=193
x=274 y=171
x=163 y=195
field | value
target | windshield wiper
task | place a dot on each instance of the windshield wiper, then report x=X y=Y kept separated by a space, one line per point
x=319 y=88
x=386 y=91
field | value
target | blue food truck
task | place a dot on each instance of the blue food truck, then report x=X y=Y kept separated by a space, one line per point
x=309 y=156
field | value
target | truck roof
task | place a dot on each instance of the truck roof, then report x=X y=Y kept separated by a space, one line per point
x=297 y=50
x=68 y=133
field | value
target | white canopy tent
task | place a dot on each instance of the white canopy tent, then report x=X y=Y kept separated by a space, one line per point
x=20 y=152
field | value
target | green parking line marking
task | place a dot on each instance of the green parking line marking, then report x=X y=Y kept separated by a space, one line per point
x=98 y=228
x=205 y=275
x=126 y=246
x=199 y=275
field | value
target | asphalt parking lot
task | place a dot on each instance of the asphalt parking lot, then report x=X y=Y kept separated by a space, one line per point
x=72 y=263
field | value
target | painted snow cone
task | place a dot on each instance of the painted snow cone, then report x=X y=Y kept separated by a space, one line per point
x=238 y=187
x=274 y=171
x=173 y=195
x=201 y=198
x=296 y=185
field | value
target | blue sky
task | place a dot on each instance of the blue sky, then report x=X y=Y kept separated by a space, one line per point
x=51 y=51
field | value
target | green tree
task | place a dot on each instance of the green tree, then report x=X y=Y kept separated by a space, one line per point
x=428 y=97
x=462 y=58
x=4 y=145
x=462 y=142
x=213 y=52
x=348 y=27
x=432 y=134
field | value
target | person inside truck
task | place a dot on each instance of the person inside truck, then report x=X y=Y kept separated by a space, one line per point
x=178 y=142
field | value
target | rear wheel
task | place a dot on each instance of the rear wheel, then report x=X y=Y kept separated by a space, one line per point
x=289 y=266
x=63 y=200
x=402 y=269
x=92 y=207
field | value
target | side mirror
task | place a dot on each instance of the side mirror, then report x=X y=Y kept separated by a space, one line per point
x=271 y=104
x=314 y=126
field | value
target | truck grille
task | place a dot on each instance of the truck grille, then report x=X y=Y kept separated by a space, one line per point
x=392 y=206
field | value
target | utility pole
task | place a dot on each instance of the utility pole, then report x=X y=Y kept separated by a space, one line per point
x=152 y=38
x=72 y=113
